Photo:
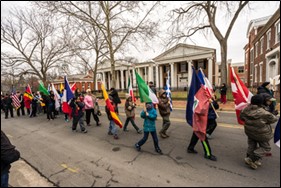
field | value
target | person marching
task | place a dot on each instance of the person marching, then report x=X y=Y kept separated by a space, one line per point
x=77 y=106
x=149 y=114
x=112 y=130
x=130 y=114
x=165 y=111
x=258 y=130
x=91 y=107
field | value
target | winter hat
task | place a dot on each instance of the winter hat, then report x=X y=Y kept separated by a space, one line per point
x=88 y=90
x=257 y=100
x=265 y=84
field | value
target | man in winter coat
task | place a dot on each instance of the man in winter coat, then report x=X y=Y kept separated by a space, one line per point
x=8 y=155
x=258 y=129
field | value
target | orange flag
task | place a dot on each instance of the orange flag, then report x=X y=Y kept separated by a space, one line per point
x=110 y=107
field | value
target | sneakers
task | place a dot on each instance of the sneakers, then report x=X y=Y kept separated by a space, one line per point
x=109 y=133
x=85 y=131
x=208 y=136
x=99 y=123
x=166 y=135
x=191 y=151
x=139 y=131
x=249 y=162
x=210 y=157
x=162 y=135
x=138 y=148
x=258 y=162
x=158 y=150
x=116 y=137
x=125 y=130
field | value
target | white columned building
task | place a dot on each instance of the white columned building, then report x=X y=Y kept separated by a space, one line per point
x=179 y=59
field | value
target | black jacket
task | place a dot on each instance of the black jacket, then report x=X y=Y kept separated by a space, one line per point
x=8 y=153
x=115 y=96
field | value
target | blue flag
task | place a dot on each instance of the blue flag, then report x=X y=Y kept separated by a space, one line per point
x=277 y=134
x=69 y=94
x=194 y=87
x=201 y=76
x=168 y=91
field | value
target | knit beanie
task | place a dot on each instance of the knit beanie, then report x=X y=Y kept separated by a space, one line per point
x=257 y=100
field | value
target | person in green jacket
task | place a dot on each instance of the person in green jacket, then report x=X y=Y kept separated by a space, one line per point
x=149 y=114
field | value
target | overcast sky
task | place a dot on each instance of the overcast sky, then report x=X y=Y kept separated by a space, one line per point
x=236 y=41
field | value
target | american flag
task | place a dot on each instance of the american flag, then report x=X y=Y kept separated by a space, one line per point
x=16 y=101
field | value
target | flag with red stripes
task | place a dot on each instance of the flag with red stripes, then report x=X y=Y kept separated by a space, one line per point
x=16 y=101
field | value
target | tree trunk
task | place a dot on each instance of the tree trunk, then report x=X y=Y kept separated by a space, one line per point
x=95 y=71
x=223 y=45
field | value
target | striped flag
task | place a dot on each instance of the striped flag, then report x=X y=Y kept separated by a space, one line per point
x=16 y=101
x=208 y=86
x=146 y=94
x=242 y=96
x=110 y=107
x=168 y=91
x=277 y=134
x=130 y=88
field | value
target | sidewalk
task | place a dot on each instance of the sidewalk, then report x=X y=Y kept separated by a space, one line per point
x=229 y=106
x=23 y=175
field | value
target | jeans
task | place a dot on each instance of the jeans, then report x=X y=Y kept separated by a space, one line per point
x=112 y=127
x=5 y=179
x=145 y=137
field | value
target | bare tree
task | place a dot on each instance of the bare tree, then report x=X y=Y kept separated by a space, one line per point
x=201 y=16
x=118 y=21
x=34 y=43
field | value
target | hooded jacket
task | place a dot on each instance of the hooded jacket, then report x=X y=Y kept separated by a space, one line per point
x=163 y=105
x=257 y=123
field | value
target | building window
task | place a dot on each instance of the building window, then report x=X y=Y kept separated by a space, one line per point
x=256 y=73
x=251 y=68
x=89 y=84
x=252 y=55
x=261 y=45
x=241 y=69
x=83 y=86
x=277 y=29
x=261 y=72
x=268 y=35
x=256 y=49
x=183 y=67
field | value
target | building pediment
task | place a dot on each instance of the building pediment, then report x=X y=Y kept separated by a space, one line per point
x=182 y=50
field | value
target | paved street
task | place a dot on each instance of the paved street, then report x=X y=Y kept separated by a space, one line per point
x=74 y=159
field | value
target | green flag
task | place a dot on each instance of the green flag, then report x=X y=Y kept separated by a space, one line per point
x=146 y=94
x=43 y=89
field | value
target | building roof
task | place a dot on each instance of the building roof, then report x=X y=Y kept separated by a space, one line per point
x=257 y=23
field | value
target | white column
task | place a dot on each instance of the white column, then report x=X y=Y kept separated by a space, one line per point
x=127 y=77
x=145 y=75
x=150 y=73
x=189 y=73
x=210 y=70
x=172 y=74
x=117 y=79
x=157 y=75
x=122 y=79
x=109 y=80
x=103 y=77
x=161 y=76
x=176 y=76
x=134 y=78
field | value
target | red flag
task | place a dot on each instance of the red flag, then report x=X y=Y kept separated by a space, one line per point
x=110 y=107
x=73 y=87
x=200 y=113
x=27 y=94
x=241 y=95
